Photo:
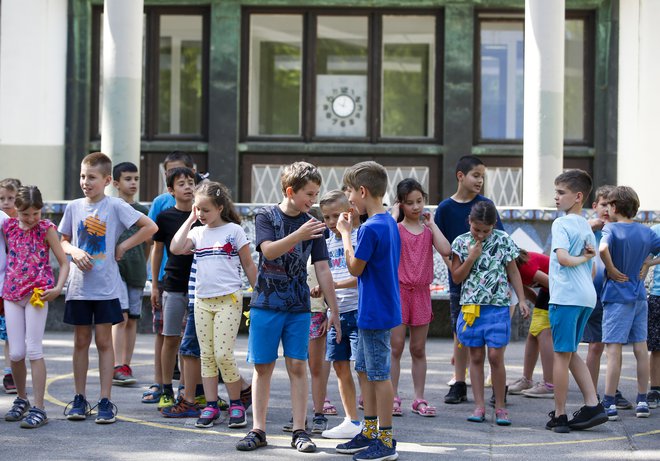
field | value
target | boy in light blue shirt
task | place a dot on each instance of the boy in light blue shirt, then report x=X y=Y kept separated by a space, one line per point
x=572 y=299
x=624 y=247
x=653 y=339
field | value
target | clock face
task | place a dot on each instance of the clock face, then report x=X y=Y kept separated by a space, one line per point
x=343 y=106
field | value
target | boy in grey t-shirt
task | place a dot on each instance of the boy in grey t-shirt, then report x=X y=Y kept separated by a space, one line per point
x=90 y=229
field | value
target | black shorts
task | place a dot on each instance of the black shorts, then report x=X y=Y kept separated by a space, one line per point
x=454 y=309
x=93 y=312
x=653 y=339
x=593 y=331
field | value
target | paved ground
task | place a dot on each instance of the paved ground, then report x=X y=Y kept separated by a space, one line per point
x=141 y=433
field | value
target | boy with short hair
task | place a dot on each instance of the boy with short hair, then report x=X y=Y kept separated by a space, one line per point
x=624 y=247
x=133 y=271
x=593 y=331
x=375 y=262
x=286 y=236
x=451 y=217
x=181 y=184
x=333 y=204
x=90 y=229
x=572 y=299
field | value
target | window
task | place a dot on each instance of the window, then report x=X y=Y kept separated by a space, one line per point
x=501 y=77
x=363 y=76
x=174 y=72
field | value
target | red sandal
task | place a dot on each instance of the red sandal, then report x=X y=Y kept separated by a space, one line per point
x=422 y=408
x=396 y=407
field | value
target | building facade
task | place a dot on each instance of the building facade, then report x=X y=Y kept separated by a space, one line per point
x=247 y=86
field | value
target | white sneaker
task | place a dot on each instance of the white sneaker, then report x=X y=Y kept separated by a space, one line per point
x=520 y=385
x=346 y=430
x=539 y=391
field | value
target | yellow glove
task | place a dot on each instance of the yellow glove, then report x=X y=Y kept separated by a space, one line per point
x=470 y=314
x=35 y=300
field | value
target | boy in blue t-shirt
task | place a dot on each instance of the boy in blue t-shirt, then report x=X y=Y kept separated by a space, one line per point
x=451 y=217
x=286 y=236
x=572 y=299
x=375 y=262
x=624 y=247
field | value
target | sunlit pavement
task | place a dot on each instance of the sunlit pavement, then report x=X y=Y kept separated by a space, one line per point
x=142 y=433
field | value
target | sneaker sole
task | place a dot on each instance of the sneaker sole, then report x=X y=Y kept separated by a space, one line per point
x=539 y=396
x=11 y=391
x=350 y=451
x=24 y=425
x=105 y=421
x=625 y=407
x=326 y=435
x=128 y=382
x=653 y=405
x=456 y=402
x=642 y=415
x=76 y=417
x=205 y=426
x=237 y=425
x=517 y=392
x=613 y=418
x=595 y=421
x=561 y=429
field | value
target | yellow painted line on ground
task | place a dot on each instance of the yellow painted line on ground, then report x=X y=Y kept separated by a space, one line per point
x=407 y=446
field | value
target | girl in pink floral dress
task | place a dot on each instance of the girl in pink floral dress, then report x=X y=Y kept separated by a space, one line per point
x=29 y=286
x=419 y=234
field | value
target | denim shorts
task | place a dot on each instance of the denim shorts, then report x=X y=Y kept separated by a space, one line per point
x=92 y=312
x=189 y=343
x=373 y=354
x=131 y=301
x=567 y=325
x=593 y=331
x=268 y=327
x=625 y=323
x=347 y=348
x=174 y=312
x=492 y=328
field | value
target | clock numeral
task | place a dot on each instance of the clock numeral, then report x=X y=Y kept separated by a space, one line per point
x=351 y=121
x=357 y=115
x=343 y=123
x=360 y=107
x=344 y=89
x=358 y=99
x=334 y=121
x=329 y=98
x=328 y=115
x=326 y=107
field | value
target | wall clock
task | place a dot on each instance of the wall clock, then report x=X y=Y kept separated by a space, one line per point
x=341 y=105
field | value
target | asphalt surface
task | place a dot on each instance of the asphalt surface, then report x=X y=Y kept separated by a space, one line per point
x=142 y=433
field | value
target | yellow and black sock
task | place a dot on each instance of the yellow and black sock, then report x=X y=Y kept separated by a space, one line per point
x=370 y=427
x=385 y=436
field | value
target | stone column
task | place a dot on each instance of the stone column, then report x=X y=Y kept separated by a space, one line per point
x=639 y=99
x=122 y=80
x=543 y=135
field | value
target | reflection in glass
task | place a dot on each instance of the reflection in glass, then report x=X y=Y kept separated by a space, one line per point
x=574 y=113
x=180 y=75
x=275 y=74
x=502 y=80
x=407 y=80
x=341 y=75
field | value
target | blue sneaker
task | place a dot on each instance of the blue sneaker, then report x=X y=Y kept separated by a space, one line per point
x=106 y=412
x=378 y=451
x=612 y=414
x=621 y=402
x=642 y=410
x=78 y=409
x=356 y=444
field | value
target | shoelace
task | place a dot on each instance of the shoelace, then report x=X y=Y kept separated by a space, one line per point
x=109 y=406
x=88 y=408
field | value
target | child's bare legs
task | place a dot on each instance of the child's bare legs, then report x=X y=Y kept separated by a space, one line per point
x=158 y=363
x=103 y=338
x=168 y=357
x=641 y=352
x=613 y=367
x=261 y=393
x=582 y=377
x=477 y=357
x=594 y=354
x=82 y=338
x=19 y=372
x=377 y=397
x=319 y=370
x=398 y=343
x=560 y=380
x=547 y=354
x=346 y=388
x=192 y=371
x=123 y=339
x=530 y=357
x=461 y=357
x=297 y=370
x=417 y=346
x=497 y=374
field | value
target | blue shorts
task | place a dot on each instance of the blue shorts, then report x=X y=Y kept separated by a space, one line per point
x=131 y=300
x=189 y=343
x=625 y=323
x=347 y=348
x=593 y=331
x=92 y=312
x=373 y=354
x=268 y=327
x=492 y=328
x=567 y=325
x=3 y=328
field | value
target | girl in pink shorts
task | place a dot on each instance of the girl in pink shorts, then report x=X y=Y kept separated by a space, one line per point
x=419 y=234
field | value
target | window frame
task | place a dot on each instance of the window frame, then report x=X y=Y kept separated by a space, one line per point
x=589 y=63
x=150 y=79
x=374 y=73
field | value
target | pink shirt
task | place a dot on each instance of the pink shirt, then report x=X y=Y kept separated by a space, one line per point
x=27 y=259
x=416 y=263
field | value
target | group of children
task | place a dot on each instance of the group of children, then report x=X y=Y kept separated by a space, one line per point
x=372 y=269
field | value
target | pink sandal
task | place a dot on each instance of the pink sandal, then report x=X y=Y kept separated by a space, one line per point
x=396 y=407
x=425 y=410
x=328 y=408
